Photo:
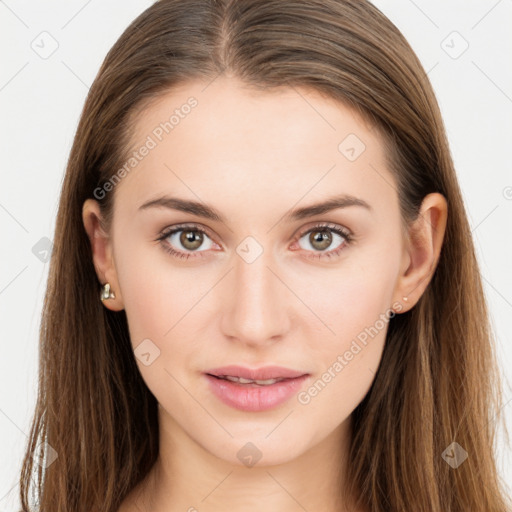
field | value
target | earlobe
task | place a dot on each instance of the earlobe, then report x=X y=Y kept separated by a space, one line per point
x=426 y=235
x=101 y=249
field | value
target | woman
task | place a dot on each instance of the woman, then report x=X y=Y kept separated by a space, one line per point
x=264 y=291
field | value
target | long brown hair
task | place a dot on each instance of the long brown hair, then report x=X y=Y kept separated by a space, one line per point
x=438 y=381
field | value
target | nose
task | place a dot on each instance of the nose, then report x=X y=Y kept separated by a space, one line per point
x=255 y=302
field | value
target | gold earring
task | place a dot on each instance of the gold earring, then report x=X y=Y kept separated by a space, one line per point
x=106 y=293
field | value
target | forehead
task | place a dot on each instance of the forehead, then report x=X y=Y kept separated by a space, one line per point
x=224 y=141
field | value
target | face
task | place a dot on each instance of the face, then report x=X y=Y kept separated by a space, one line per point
x=256 y=285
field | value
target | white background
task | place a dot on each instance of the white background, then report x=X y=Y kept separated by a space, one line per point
x=41 y=99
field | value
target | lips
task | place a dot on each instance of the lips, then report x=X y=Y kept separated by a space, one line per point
x=254 y=397
x=258 y=374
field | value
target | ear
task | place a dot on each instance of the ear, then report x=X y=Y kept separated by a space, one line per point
x=102 y=254
x=422 y=250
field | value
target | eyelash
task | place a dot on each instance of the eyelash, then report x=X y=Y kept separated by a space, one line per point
x=345 y=233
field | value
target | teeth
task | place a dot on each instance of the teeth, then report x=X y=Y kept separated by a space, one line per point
x=241 y=380
x=232 y=379
x=244 y=381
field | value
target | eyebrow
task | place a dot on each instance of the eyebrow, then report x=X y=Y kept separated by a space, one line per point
x=208 y=212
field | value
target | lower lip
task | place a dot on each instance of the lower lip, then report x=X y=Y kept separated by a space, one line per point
x=245 y=397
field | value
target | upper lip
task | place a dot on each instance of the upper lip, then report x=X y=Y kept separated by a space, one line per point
x=264 y=373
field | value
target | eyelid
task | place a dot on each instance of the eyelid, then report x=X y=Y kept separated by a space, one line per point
x=181 y=227
x=328 y=225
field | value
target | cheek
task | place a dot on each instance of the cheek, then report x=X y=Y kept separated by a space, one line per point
x=357 y=316
x=355 y=304
x=355 y=295
x=151 y=289
x=157 y=298
x=164 y=306
x=346 y=362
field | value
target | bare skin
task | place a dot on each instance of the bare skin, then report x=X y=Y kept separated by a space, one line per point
x=254 y=156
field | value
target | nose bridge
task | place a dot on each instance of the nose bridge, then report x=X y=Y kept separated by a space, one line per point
x=257 y=310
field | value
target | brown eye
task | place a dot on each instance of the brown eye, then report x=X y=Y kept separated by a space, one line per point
x=191 y=239
x=320 y=240
x=184 y=241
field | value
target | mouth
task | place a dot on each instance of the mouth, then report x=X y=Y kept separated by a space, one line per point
x=263 y=376
x=255 y=390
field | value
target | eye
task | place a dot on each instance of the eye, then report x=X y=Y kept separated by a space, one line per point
x=190 y=238
x=184 y=240
x=322 y=236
